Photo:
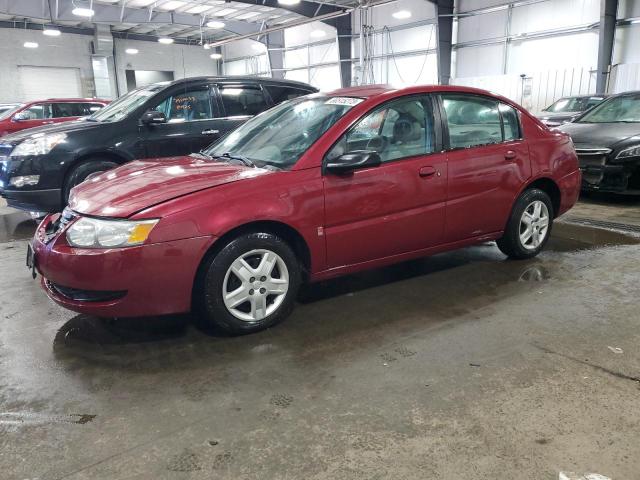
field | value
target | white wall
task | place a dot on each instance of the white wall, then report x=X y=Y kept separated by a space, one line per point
x=182 y=60
x=64 y=51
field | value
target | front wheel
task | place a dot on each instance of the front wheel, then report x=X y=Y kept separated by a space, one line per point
x=249 y=285
x=529 y=225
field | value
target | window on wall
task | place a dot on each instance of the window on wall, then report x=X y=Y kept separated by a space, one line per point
x=187 y=106
x=399 y=129
x=242 y=100
x=472 y=120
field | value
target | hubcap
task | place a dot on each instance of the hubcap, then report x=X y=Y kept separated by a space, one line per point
x=255 y=285
x=534 y=225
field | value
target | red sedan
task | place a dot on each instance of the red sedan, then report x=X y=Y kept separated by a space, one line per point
x=45 y=112
x=320 y=186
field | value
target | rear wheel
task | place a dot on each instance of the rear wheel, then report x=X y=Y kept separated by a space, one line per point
x=82 y=172
x=529 y=226
x=249 y=285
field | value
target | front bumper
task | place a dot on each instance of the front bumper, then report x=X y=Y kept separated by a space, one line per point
x=154 y=279
x=34 y=200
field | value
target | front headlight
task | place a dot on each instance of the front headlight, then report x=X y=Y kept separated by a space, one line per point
x=629 y=152
x=95 y=233
x=38 y=144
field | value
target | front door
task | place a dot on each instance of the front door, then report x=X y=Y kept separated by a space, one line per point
x=397 y=207
x=190 y=112
x=488 y=161
x=33 y=116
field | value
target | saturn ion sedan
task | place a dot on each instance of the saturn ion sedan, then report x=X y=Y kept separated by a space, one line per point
x=320 y=186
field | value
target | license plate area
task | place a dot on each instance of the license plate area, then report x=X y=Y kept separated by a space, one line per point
x=31 y=261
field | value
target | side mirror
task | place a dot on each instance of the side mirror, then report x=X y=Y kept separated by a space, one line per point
x=21 y=117
x=153 y=117
x=353 y=161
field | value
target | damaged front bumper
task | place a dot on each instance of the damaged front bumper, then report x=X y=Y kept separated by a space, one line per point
x=600 y=174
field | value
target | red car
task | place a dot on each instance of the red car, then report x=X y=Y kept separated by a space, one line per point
x=45 y=112
x=320 y=186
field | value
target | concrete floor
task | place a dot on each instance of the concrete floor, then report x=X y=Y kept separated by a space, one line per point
x=459 y=366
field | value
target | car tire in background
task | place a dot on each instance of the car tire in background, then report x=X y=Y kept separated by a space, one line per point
x=529 y=226
x=79 y=173
x=249 y=285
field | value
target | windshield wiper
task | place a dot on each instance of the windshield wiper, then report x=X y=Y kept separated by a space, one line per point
x=244 y=160
x=201 y=154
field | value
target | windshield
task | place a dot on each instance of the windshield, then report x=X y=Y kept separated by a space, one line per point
x=573 y=104
x=6 y=112
x=623 y=109
x=281 y=135
x=126 y=104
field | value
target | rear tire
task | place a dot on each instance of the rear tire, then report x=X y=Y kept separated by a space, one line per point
x=82 y=171
x=529 y=226
x=249 y=285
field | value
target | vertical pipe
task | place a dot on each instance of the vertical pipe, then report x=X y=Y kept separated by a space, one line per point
x=606 y=37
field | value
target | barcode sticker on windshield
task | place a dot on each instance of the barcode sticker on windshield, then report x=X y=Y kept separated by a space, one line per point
x=348 y=101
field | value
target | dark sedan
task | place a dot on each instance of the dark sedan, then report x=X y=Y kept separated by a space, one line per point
x=607 y=140
x=567 y=109
x=40 y=166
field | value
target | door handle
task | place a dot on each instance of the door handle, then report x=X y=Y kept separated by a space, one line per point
x=428 y=172
x=210 y=132
x=510 y=155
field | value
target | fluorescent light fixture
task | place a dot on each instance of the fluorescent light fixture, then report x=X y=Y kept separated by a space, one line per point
x=51 y=32
x=82 y=12
x=401 y=14
x=216 y=56
x=215 y=24
x=165 y=40
x=288 y=2
x=317 y=34
x=131 y=51
x=224 y=12
x=206 y=46
x=30 y=45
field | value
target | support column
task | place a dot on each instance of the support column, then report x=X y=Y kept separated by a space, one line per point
x=275 y=44
x=608 y=12
x=343 y=30
x=444 y=11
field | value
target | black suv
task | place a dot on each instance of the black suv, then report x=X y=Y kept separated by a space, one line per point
x=39 y=166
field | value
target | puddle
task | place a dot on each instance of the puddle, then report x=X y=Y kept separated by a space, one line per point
x=571 y=237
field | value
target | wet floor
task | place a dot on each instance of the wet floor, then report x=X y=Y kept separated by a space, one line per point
x=461 y=365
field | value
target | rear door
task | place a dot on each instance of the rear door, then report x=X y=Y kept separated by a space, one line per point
x=189 y=111
x=488 y=161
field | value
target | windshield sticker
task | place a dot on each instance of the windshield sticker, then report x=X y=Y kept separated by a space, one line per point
x=348 y=101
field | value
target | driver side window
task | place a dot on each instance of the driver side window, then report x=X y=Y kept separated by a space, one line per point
x=399 y=129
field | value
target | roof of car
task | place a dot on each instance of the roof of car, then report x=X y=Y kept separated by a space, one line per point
x=100 y=100
x=245 y=78
x=367 y=91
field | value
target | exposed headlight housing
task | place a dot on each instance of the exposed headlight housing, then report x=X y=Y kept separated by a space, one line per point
x=22 y=180
x=629 y=152
x=96 y=233
x=38 y=144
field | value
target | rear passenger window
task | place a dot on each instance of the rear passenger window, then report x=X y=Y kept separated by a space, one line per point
x=510 y=123
x=91 y=108
x=472 y=121
x=282 y=94
x=242 y=101
x=61 y=110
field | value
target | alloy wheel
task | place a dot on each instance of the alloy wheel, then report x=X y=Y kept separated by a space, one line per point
x=534 y=225
x=255 y=285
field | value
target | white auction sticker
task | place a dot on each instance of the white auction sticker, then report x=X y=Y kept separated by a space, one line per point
x=348 y=101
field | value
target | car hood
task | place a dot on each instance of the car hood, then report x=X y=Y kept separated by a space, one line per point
x=557 y=116
x=65 y=127
x=140 y=184
x=600 y=134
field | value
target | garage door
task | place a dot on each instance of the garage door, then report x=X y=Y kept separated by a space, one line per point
x=37 y=83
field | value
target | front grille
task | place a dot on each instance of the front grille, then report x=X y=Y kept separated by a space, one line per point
x=592 y=157
x=86 y=295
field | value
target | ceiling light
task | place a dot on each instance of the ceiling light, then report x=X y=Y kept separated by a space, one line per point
x=206 y=46
x=224 y=12
x=131 y=51
x=288 y=2
x=51 y=32
x=317 y=33
x=401 y=14
x=165 y=40
x=30 y=44
x=215 y=24
x=216 y=56
x=82 y=12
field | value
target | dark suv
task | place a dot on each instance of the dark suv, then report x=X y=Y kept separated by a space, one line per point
x=39 y=166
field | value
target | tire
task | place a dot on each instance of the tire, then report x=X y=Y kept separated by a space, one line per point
x=514 y=243
x=260 y=309
x=82 y=171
